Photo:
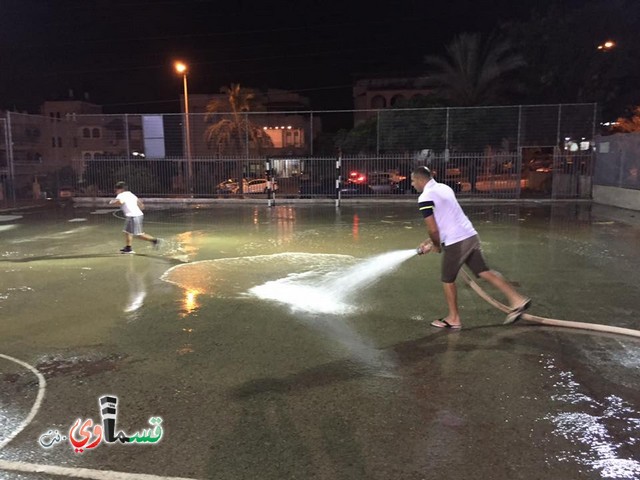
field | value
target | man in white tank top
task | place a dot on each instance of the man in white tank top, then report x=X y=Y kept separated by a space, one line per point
x=451 y=232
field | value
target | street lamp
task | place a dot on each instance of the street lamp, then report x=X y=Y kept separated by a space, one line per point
x=181 y=69
x=608 y=45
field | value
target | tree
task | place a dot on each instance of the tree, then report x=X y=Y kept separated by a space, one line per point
x=475 y=70
x=230 y=124
x=629 y=124
x=564 y=64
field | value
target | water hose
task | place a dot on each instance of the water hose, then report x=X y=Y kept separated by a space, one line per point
x=548 y=321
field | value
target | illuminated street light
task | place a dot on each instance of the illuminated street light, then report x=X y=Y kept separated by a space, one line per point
x=608 y=45
x=181 y=69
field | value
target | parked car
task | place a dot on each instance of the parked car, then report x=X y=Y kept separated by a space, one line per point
x=322 y=186
x=65 y=193
x=357 y=178
x=226 y=187
x=258 y=185
x=541 y=165
x=383 y=183
x=327 y=186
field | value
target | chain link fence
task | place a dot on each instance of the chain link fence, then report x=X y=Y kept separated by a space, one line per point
x=489 y=152
x=618 y=161
x=5 y=174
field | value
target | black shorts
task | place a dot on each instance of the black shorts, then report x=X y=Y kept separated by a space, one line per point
x=460 y=253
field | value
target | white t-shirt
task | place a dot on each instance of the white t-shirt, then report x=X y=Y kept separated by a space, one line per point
x=439 y=200
x=129 y=204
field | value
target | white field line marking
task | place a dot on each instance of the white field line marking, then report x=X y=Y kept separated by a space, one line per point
x=80 y=472
x=52 y=469
x=36 y=405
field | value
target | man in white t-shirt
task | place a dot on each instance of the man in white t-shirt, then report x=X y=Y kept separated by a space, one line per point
x=451 y=232
x=132 y=208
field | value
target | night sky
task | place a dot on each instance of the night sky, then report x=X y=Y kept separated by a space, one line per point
x=121 y=52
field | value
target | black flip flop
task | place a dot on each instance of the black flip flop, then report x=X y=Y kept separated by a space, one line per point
x=515 y=314
x=445 y=324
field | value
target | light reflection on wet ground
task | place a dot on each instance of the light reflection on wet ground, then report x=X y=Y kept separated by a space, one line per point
x=605 y=432
x=251 y=389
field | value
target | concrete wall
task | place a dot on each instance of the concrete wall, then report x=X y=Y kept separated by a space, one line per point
x=617 y=197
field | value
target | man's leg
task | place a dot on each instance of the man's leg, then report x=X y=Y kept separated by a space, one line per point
x=146 y=237
x=139 y=231
x=128 y=239
x=498 y=281
x=452 y=320
x=451 y=263
x=451 y=295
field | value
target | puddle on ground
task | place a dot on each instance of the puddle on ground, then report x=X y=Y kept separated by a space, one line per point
x=55 y=366
x=589 y=425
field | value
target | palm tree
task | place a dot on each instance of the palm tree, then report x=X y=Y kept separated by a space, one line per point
x=232 y=128
x=474 y=71
x=628 y=124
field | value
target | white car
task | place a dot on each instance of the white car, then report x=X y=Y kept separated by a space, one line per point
x=258 y=185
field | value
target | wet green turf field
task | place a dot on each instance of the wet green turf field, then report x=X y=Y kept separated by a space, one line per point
x=250 y=389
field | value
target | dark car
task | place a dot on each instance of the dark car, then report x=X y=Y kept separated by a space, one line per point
x=323 y=186
x=65 y=193
x=327 y=186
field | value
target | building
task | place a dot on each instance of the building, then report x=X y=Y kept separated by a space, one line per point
x=373 y=94
x=54 y=144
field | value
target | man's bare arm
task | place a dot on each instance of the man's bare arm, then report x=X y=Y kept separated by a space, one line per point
x=434 y=233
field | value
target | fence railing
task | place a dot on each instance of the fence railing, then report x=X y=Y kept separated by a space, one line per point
x=497 y=175
x=484 y=151
x=618 y=161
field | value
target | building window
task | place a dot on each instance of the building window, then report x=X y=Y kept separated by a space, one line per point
x=86 y=133
x=378 y=102
x=59 y=142
x=396 y=99
x=75 y=142
x=53 y=142
x=95 y=133
x=87 y=156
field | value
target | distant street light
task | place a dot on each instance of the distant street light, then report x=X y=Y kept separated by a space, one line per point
x=181 y=69
x=608 y=45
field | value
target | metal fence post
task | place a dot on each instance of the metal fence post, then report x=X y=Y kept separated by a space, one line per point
x=559 y=122
x=378 y=132
x=269 y=174
x=126 y=137
x=446 y=133
x=311 y=134
x=519 y=155
x=10 y=159
x=593 y=139
x=246 y=144
x=338 y=178
x=126 y=134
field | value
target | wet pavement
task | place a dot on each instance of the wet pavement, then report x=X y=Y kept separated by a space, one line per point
x=250 y=389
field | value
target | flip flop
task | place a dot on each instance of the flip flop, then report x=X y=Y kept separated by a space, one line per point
x=516 y=313
x=445 y=324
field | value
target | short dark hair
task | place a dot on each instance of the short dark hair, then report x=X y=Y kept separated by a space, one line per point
x=121 y=185
x=422 y=172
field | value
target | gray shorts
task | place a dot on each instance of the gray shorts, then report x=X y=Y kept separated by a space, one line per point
x=457 y=254
x=133 y=225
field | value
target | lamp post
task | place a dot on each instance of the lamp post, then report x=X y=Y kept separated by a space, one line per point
x=181 y=68
x=608 y=45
